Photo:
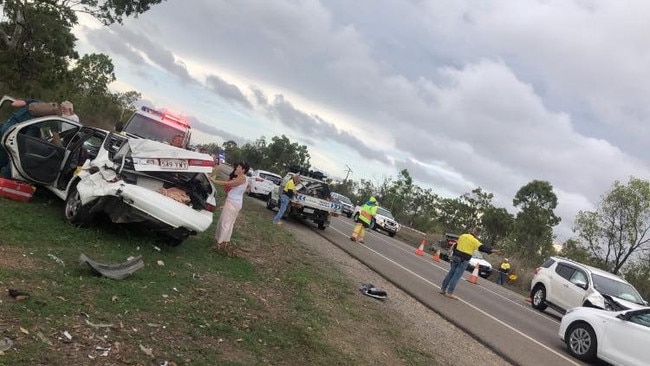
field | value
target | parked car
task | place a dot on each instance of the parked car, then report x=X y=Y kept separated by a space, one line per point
x=131 y=180
x=620 y=338
x=484 y=267
x=263 y=182
x=564 y=284
x=348 y=206
x=383 y=220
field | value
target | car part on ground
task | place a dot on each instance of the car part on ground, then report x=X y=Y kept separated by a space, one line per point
x=117 y=271
x=563 y=284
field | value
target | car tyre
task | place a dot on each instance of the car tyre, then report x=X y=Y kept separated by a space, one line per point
x=391 y=234
x=581 y=341
x=538 y=297
x=269 y=202
x=321 y=226
x=356 y=217
x=75 y=212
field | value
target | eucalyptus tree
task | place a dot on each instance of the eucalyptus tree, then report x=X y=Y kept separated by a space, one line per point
x=618 y=231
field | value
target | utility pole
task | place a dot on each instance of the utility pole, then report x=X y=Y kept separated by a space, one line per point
x=347 y=174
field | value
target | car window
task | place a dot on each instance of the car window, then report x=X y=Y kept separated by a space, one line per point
x=275 y=179
x=620 y=289
x=641 y=318
x=384 y=212
x=344 y=199
x=578 y=278
x=564 y=271
x=548 y=263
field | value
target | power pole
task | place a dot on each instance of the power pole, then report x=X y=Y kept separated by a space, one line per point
x=347 y=174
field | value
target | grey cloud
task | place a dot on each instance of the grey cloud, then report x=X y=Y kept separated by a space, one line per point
x=228 y=91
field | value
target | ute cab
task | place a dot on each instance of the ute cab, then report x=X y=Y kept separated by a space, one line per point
x=159 y=126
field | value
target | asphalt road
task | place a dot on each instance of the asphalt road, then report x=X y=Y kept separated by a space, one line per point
x=492 y=314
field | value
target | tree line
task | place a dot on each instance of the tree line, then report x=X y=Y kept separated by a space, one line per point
x=38 y=59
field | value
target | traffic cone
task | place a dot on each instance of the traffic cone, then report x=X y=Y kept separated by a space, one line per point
x=420 y=250
x=436 y=256
x=473 y=278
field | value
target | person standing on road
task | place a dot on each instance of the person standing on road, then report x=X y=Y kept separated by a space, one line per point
x=364 y=220
x=287 y=193
x=233 y=203
x=466 y=246
x=504 y=270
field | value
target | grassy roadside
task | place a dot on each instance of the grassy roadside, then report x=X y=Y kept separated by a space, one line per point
x=188 y=305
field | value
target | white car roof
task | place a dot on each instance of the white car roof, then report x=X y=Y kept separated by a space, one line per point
x=267 y=172
x=593 y=270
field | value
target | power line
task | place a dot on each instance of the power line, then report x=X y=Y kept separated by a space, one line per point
x=347 y=174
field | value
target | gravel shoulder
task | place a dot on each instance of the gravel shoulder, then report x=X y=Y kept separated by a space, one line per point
x=451 y=345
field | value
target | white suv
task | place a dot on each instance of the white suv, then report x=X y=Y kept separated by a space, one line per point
x=263 y=182
x=564 y=284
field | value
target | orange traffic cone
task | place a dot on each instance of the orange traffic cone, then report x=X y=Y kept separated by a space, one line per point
x=473 y=278
x=420 y=250
x=436 y=256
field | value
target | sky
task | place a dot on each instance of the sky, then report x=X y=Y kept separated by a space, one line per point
x=463 y=94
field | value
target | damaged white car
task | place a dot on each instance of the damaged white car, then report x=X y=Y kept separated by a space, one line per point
x=131 y=180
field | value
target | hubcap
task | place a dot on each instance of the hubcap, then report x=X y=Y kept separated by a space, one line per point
x=538 y=297
x=72 y=205
x=580 y=341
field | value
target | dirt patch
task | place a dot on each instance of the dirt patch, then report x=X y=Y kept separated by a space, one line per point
x=14 y=258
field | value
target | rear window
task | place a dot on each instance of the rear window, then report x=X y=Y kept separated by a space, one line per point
x=275 y=179
x=564 y=271
x=548 y=263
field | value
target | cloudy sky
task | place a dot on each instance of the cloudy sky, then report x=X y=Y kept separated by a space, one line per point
x=464 y=94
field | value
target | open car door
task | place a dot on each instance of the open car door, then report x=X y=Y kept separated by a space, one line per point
x=36 y=148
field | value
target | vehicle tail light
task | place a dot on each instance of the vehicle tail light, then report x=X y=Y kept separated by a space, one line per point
x=210 y=207
x=198 y=162
x=536 y=271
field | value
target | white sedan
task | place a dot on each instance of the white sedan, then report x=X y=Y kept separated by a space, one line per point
x=131 y=180
x=620 y=338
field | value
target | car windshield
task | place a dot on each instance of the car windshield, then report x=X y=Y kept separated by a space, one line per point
x=384 y=212
x=275 y=179
x=617 y=289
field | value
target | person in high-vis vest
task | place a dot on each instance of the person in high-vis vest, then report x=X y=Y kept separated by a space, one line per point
x=367 y=213
x=287 y=193
x=504 y=270
x=466 y=245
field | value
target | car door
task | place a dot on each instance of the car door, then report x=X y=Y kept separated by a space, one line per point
x=625 y=341
x=37 y=149
x=566 y=292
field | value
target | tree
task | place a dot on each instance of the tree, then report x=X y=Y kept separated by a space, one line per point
x=497 y=224
x=533 y=230
x=283 y=153
x=618 y=229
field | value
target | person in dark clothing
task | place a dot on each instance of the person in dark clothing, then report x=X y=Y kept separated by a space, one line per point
x=466 y=246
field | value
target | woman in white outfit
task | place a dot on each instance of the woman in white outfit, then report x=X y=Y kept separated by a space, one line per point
x=236 y=187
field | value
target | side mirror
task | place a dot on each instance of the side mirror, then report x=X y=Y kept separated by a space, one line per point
x=582 y=285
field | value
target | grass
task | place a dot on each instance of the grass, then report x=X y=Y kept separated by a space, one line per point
x=189 y=305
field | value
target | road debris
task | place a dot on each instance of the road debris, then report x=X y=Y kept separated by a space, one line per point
x=115 y=271
x=369 y=289
x=6 y=344
x=18 y=294
x=58 y=260
x=99 y=325
x=146 y=351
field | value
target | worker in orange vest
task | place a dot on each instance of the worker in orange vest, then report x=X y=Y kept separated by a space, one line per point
x=364 y=219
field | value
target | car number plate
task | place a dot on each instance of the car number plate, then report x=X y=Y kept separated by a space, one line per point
x=308 y=210
x=173 y=164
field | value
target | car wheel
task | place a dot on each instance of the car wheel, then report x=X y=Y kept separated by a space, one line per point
x=321 y=225
x=581 y=341
x=75 y=212
x=269 y=202
x=538 y=296
x=356 y=217
x=348 y=215
x=391 y=234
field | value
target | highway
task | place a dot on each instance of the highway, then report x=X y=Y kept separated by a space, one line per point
x=494 y=315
